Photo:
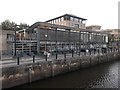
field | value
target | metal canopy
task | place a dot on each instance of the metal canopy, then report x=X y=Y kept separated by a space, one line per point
x=45 y=25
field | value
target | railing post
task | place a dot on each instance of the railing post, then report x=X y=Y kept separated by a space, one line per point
x=94 y=51
x=72 y=53
x=90 y=52
x=56 y=56
x=33 y=58
x=98 y=51
x=65 y=55
x=79 y=43
x=18 y=60
x=56 y=47
x=46 y=57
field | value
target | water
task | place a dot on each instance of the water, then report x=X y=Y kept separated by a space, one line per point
x=99 y=76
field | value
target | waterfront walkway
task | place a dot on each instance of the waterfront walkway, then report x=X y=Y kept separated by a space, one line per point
x=100 y=76
x=10 y=61
x=17 y=74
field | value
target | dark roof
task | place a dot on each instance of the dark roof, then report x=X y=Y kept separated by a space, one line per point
x=35 y=25
x=66 y=15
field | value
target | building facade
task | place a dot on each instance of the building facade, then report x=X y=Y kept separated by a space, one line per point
x=43 y=37
x=64 y=34
x=69 y=20
x=7 y=39
x=56 y=38
x=94 y=27
x=114 y=37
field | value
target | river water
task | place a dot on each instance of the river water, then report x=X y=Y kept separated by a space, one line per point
x=100 y=76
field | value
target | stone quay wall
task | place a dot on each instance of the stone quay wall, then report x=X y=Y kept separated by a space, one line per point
x=27 y=73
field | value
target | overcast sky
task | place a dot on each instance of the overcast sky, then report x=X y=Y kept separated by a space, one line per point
x=98 y=12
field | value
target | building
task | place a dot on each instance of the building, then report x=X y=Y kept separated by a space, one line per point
x=7 y=39
x=45 y=37
x=94 y=27
x=64 y=34
x=114 y=34
x=69 y=20
x=0 y=42
x=114 y=37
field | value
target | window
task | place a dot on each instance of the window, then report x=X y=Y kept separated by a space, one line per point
x=79 y=20
x=57 y=20
x=72 y=24
x=66 y=17
x=10 y=37
x=83 y=22
x=75 y=19
x=61 y=18
x=53 y=21
x=77 y=25
x=71 y=19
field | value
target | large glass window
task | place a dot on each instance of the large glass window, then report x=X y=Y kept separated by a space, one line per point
x=71 y=19
x=77 y=25
x=75 y=19
x=57 y=20
x=66 y=17
x=61 y=18
x=79 y=20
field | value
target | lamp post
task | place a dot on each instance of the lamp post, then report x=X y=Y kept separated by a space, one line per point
x=46 y=47
x=15 y=27
x=15 y=41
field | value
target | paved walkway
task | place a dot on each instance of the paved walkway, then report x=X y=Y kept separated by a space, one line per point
x=10 y=61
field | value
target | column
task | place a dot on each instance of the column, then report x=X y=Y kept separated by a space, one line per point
x=38 y=40
x=79 y=42
x=69 y=41
x=56 y=36
x=89 y=43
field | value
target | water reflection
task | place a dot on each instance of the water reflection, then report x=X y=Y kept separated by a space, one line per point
x=99 y=76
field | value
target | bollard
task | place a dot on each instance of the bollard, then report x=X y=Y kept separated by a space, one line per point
x=30 y=76
x=94 y=51
x=98 y=51
x=72 y=53
x=33 y=58
x=90 y=61
x=90 y=52
x=46 y=57
x=18 y=61
x=80 y=63
x=98 y=59
x=85 y=53
x=79 y=53
x=53 y=69
x=64 y=55
x=56 y=56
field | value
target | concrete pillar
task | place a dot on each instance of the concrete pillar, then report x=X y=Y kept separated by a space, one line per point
x=79 y=43
x=56 y=36
x=22 y=47
x=13 y=46
x=69 y=41
x=84 y=42
x=38 y=40
x=88 y=43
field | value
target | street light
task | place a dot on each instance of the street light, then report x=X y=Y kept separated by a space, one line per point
x=46 y=47
x=15 y=41
x=15 y=27
x=46 y=35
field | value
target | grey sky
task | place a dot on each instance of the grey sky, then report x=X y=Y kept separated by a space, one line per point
x=98 y=12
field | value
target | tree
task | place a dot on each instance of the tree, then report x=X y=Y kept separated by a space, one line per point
x=7 y=25
x=23 y=26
